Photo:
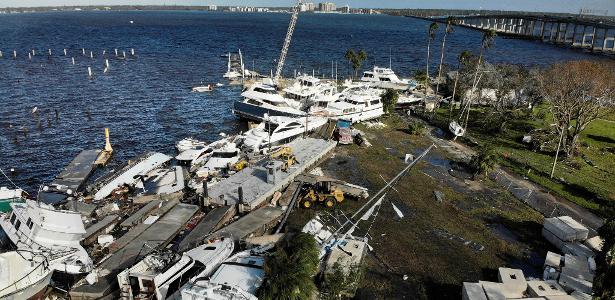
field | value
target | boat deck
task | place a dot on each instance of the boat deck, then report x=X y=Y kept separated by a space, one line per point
x=253 y=180
x=78 y=170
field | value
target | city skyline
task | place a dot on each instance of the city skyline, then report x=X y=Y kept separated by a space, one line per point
x=565 y=6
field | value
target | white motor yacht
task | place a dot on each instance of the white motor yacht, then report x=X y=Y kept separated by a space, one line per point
x=221 y=159
x=387 y=79
x=23 y=275
x=355 y=105
x=407 y=99
x=239 y=277
x=261 y=99
x=189 y=144
x=161 y=275
x=203 y=88
x=279 y=130
x=45 y=230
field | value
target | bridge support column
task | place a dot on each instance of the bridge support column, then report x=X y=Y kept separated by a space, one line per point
x=542 y=30
x=574 y=34
x=593 y=44
x=557 y=32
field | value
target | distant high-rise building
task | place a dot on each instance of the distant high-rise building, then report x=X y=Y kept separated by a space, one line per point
x=212 y=7
x=345 y=9
x=308 y=6
x=326 y=6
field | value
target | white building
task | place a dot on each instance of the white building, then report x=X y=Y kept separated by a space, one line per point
x=212 y=7
x=326 y=6
x=308 y=6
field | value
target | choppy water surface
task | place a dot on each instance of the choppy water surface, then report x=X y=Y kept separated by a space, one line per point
x=146 y=100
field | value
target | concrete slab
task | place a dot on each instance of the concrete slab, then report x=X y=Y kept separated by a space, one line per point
x=213 y=221
x=253 y=224
x=553 y=260
x=539 y=288
x=499 y=291
x=101 y=227
x=253 y=180
x=473 y=291
x=577 y=249
x=78 y=170
x=575 y=284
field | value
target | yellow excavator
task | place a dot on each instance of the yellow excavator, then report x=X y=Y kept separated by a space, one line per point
x=285 y=154
x=240 y=165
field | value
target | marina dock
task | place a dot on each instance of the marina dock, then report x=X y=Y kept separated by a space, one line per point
x=152 y=237
x=255 y=223
x=78 y=170
x=213 y=221
x=256 y=189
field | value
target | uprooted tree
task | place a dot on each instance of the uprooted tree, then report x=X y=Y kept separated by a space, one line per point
x=579 y=92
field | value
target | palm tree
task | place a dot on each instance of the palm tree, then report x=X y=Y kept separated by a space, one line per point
x=450 y=21
x=431 y=35
x=486 y=43
x=356 y=59
x=462 y=59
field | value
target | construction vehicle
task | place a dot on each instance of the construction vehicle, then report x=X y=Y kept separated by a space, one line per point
x=285 y=154
x=240 y=165
x=326 y=190
x=313 y=194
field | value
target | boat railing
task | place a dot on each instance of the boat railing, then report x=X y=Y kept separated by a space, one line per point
x=27 y=280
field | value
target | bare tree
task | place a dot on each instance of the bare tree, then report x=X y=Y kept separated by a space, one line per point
x=579 y=92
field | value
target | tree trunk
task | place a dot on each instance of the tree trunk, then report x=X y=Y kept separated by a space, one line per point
x=473 y=90
x=427 y=67
x=450 y=116
x=441 y=61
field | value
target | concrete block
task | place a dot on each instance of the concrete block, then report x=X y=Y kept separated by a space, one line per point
x=539 y=288
x=566 y=229
x=575 y=284
x=581 y=230
x=500 y=291
x=577 y=249
x=553 y=260
x=580 y=296
x=473 y=291
x=514 y=278
x=594 y=243
x=554 y=240
x=560 y=297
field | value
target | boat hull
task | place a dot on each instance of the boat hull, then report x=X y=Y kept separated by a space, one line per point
x=257 y=113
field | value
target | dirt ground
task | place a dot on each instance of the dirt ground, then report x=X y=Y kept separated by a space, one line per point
x=477 y=228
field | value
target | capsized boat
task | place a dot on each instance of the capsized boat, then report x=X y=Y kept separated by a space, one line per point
x=23 y=275
x=279 y=130
x=456 y=129
x=7 y=196
x=163 y=181
x=56 y=234
x=161 y=275
x=221 y=159
x=239 y=277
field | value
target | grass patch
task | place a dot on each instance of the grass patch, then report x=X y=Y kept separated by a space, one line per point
x=586 y=180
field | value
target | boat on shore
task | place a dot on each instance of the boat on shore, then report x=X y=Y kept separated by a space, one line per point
x=25 y=275
x=262 y=99
x=279 y=130
x=238 y=277
x=356 y=104
x=44 y=230
x=385 y=78
x=161 y=275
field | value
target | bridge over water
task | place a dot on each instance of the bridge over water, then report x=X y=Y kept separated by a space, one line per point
x=596 y=34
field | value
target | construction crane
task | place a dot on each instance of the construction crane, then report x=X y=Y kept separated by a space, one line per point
x=289 y=36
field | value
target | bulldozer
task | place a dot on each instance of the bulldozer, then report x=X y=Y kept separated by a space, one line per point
x=285 y=154
x=240 y=165
x=313 y=195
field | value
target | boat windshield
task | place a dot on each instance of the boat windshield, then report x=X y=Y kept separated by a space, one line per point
x=225 y=154
x=265 y=90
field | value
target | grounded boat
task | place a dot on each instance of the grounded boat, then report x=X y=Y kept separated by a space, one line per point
x=8 y=196
x=239 y=277
x=408 y=99
x=385 y=78
x=189 y=144
x=163 y=181
x=456 y=129
x=56 y=234
x=220 y=159
x=262 y=99
x=161 y=275
x=23 y=275
x=279 y=130
x=356 y=104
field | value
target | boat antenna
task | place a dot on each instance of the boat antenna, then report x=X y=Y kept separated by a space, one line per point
x=390 y=58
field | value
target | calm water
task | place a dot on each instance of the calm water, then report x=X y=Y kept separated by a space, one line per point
x=146 y=100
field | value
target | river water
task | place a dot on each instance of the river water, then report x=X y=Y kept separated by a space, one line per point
x=146 y=100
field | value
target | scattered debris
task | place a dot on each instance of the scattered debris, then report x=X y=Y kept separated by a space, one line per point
x=439 y=196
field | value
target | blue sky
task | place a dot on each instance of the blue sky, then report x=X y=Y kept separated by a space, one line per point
x=572 y=6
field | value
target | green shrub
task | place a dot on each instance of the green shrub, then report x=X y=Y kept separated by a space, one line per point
x=417 y=128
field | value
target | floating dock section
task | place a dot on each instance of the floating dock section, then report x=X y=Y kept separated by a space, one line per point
x=151 y=237
x=213 y=221
x=255 y=223
x=77 y=171
x=254 y=182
